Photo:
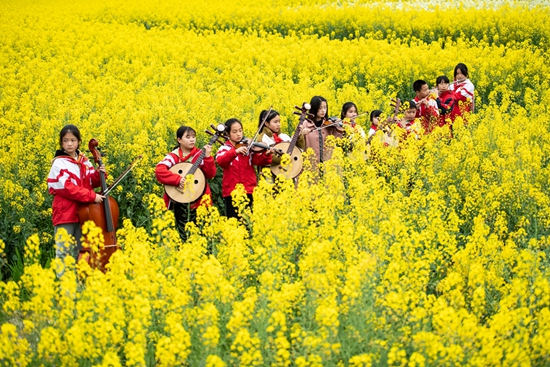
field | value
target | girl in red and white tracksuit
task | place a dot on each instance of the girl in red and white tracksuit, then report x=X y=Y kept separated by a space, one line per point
x=463 y=90
x=237 y=166
x=185 y=151
x=71 y=181
x=271 y=133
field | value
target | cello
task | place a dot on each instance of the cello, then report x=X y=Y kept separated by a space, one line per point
x=104 y=215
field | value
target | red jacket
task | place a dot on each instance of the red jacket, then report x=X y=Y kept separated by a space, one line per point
x=239 y=168
x=445 y=103
x=429 y=115
x=71 y=181
x=165 y=177
x=464 y=97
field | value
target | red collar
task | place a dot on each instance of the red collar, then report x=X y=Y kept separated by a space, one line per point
x=182 y=158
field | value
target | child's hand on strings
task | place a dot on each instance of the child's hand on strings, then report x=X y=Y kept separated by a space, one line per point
x=207 y=150
x=241 y=150
x=98 y=198
x=182 y=183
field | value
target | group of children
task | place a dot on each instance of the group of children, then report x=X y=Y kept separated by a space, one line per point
x=442 y=105
x=72 y=177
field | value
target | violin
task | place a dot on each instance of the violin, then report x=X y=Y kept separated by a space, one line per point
x=262 y=147
x=105 y=216
x=245 y=142
x=331 y=121
x=256 y=147
x=250 y=143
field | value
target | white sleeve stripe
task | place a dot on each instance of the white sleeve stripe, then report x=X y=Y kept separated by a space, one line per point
x=64 y=165
x=59 y=181
x=223 y=150
x=167 y=164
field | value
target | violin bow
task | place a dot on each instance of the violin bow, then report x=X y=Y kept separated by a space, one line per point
x=116 y=182
x=259 y=129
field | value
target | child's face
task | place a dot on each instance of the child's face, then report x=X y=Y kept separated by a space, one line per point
x=459 y=76
x=443 y=86
x=410 y=114
x=376 y=120
x=187 y=141
x=70 y=144
x=424 y=91
x=274 y=124
x=236 y=133
x=322 y=110
x=351 y=113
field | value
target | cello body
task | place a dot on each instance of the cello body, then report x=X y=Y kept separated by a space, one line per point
x=96 y=213
x=105 y=217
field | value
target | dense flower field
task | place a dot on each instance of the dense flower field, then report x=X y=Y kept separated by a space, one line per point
x=432 y=253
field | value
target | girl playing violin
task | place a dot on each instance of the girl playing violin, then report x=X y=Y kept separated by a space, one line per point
x=271 y=133
x=238 y=166
x=185 y=151
x=317 y=132
x=71 y=181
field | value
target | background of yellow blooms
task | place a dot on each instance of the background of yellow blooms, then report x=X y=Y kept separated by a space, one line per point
x=435 y=253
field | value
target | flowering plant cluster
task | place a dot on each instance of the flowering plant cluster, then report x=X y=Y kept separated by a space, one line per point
x=432 y=252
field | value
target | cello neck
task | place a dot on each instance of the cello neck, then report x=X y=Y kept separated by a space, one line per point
x=106 y=205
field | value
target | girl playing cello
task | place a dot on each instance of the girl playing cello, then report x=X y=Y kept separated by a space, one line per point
x=71 y=180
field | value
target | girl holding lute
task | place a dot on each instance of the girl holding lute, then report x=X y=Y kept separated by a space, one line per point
x=270 y=133
x=167 y=174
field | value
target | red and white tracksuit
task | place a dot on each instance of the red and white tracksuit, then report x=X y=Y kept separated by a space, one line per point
x=239 y=168
x=71 y=181
x=464 y=98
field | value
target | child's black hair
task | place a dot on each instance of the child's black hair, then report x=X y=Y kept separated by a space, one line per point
x=69 y=129
x=270 y=117
x=375 y=113
x=345 y=109
x=417 y=85
x=441 y=79
x=182 y=130
x=230 y=123
x=412 y=104
x=315 y=103
x=463 y=69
